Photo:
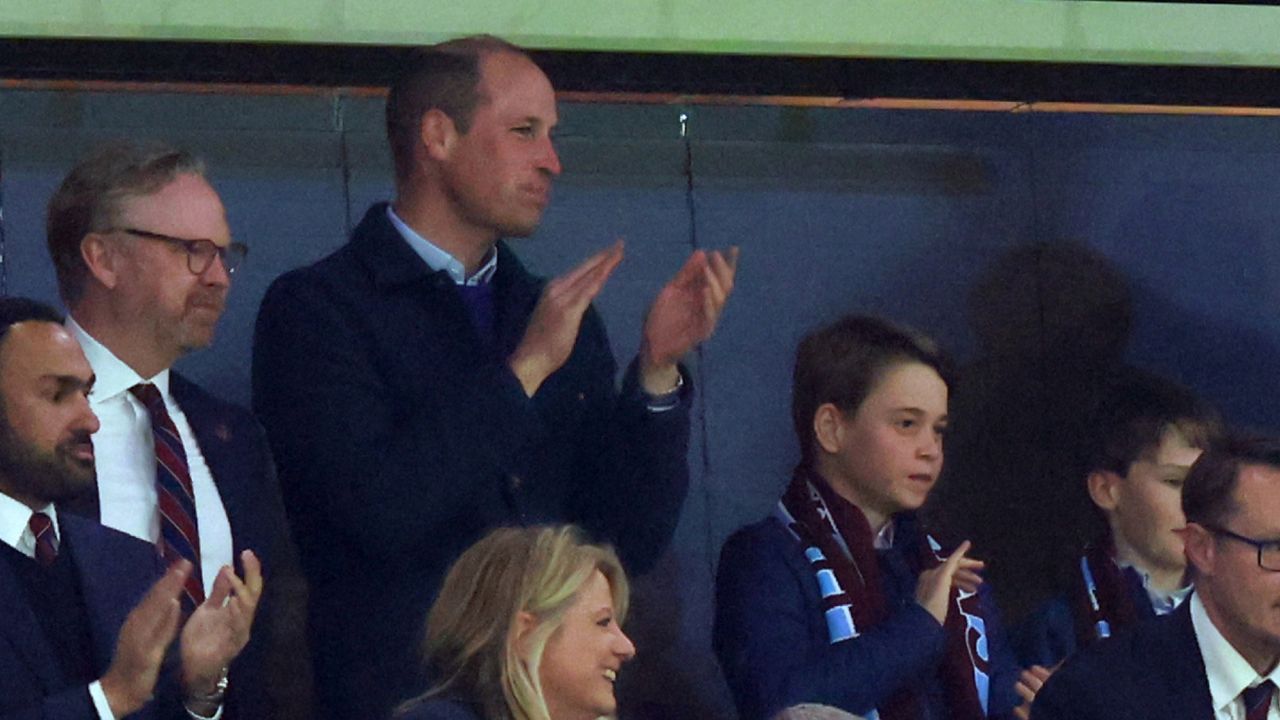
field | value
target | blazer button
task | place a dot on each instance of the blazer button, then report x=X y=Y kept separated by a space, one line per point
x=516 y=481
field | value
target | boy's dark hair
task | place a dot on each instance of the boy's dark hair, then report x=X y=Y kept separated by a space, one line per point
x=841 y=363
x=1134 y=413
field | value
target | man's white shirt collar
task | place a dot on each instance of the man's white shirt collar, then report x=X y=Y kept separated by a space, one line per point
x=1226 y=669
x=112 y=375
x=437 y=259
x=14 y=519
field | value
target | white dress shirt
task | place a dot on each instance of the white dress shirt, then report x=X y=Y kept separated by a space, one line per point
x=124 y=452
x=1227 y=670
x=15 y=531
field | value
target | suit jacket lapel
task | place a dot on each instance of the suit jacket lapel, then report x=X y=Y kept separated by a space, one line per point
x=20 y=625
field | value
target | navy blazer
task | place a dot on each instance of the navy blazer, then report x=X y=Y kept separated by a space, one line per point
x=235 y=449
x=771 y=638
x=115 y=571
x=1152 y=670
x=402 y=438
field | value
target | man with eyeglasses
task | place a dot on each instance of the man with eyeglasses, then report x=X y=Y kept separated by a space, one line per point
x=144 y=257
x=1217 y=655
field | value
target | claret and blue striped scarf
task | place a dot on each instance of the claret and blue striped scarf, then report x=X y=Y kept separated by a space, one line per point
x=839 y=545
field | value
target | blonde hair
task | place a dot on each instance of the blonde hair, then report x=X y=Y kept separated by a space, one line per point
x=471 y=635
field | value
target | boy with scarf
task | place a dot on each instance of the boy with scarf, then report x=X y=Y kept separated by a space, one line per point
x=840 y=597
x=1147 y=433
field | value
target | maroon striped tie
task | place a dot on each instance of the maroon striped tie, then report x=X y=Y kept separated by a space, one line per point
x=175 y=499
x=1257 y=700
x=46 y=540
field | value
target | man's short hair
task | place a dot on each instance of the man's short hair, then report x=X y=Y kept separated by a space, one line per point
x=89 y=199
x=14 y=310
x=1211 y=483
x=840 y=363
x=443 y=77
x=1133 y=413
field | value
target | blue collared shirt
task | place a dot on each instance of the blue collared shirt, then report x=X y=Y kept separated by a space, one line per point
x=437 y=259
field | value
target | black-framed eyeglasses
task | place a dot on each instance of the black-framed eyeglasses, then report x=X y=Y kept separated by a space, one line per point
x=200 y=252
x=1268 y=550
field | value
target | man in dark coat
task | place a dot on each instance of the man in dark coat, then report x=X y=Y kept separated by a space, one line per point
x=419 y=387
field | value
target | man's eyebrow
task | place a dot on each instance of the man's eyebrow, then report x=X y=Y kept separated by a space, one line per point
x=70 y=382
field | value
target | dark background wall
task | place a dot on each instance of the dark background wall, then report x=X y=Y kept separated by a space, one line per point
x=1022 y=241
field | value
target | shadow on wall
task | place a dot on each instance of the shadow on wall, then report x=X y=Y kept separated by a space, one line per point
x=1053 y=323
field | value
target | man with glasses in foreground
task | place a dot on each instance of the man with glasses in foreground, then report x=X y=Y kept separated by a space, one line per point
x=144 y=259
x=1216 y=656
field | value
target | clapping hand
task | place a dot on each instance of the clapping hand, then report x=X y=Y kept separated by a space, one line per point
x=685 y=314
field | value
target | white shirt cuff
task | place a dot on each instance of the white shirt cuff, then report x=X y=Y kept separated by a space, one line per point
x=100 y=701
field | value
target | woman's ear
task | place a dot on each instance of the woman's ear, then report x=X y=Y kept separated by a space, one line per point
x=524 y=627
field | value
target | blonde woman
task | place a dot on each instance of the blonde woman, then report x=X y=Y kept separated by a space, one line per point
x=528 y=626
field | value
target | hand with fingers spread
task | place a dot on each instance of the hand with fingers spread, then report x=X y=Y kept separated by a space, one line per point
x=553 y=328
x=1029 y=684
x=140 y=648
x=219 y=629
x=933 y=588
x=685 y=314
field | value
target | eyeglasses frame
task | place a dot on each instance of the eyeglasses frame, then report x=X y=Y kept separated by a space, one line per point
x=236 y=250
x=1257 y=544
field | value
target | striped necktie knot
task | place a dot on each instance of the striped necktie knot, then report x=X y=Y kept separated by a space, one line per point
x=46 y=539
